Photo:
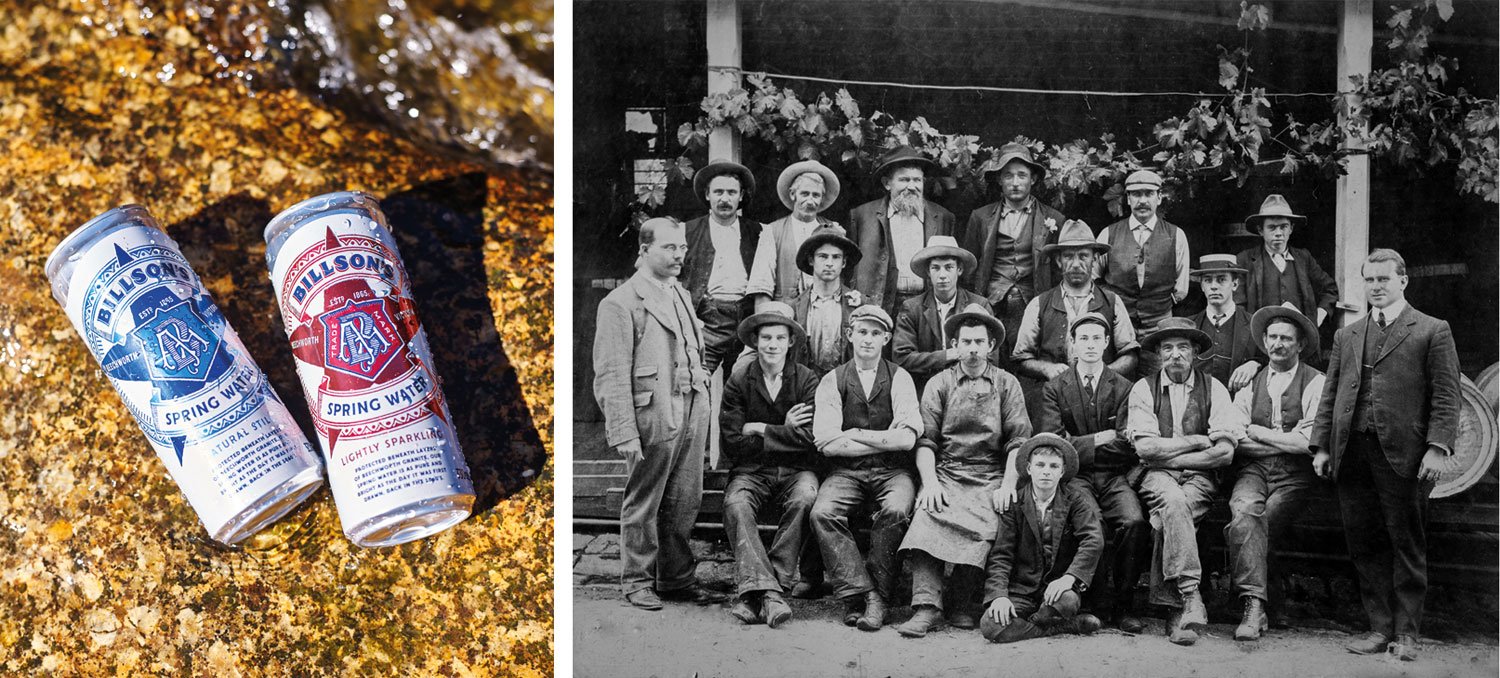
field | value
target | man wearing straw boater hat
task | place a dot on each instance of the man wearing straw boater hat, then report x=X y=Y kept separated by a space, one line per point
x=1279 y=273
x=1047 y=546
x=866 y=422
x=807 y=188
x=972 y=416
x=1235 y=355
x=767 y=433
x=1272 y=472
x=891 y=229
x=824 y=308
x=1148 y=259
x=1087 y=405
x=1184 y=426
x=721 y=248
x=923 y=346
x=1008 y=236
x=1042 y=344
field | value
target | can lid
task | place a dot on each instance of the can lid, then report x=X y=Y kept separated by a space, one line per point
x=59 y=269
x=284 y=222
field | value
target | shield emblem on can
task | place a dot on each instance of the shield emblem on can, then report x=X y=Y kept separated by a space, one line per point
x=359 y=339
x=179 y=344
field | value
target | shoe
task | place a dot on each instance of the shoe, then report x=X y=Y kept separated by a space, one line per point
x=1405 y=648
x=775 y=610
x=1084 y=624
x=963 y=620
x=1046 y=615
x=747 y=611
x=695 y=594
x=1194 y=615
x=1177 y=633
x=1373 y=643
x=1253 y=622
x=810 y=590
x=874 y=616
x=646 y=599
x=926 y=619
x=1130 y=624
x=854 y=608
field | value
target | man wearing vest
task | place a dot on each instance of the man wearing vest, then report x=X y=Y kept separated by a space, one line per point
x=807 y=188
x=1086 y=404
x=1279 y=273
x=922 y=346
x=1184 y=426
x=1007 y=238
x=1148 y=259
x=973 y=415
x=1272 y=470
x=651 y=383
x=1235 y=355
x=721 y=247
x=866 y=422
x=891 y=229
x=767 y=433
x=1384 y=433
x=824 y=308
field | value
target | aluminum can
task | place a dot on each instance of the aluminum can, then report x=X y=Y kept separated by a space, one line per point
x=206 y=408
x=394 y=463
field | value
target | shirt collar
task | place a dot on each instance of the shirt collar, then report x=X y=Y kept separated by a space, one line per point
x=825 y=297
x=1167 y=381
x=1209 y=312
x=1006 y=210
x=1042 y=506
x=1391 y=312
x=987 y=374
x=1287 y=256
x=732 y=226
x=1084 y=371
x=1150 y=225
x=1272 y=371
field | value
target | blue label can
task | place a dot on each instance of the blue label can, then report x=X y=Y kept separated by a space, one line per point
x=206 y=408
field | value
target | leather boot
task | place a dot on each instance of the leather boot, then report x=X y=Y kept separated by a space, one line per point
x=874 y=616
x=1253 y=621
x=775 y=610
x=927 y=618
x=1177 y=632
x=1194 y=614
x=854 y=608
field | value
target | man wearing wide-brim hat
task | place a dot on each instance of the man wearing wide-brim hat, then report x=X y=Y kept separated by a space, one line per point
x=1273 y=474
x=922 y=346
x=1008 y=236
x=1184 y=426
x=767 y=437
x=1236 y=354
x=1278 y=273
x=973 y=414
x=824 y=308
x=1149 y=258
x=891 y=229
x=717 y=283
x=807 y=188
x=1047 y=546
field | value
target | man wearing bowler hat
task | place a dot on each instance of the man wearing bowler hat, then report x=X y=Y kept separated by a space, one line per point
x=923 y=346
x=1272 y=472
x=807 y=188
x=721 y=249
x=1278 y=273
x=891 y=229
x=1148 y=258
x=824 y=307
x=1236 y=355
x=972 y=417
x=1184 y=426
x=1007 y=237
x=767 y=433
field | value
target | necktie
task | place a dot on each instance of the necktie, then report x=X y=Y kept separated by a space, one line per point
x=1380 y=319
x=1088 y=384
x=1141 y=233
x=1217 y=319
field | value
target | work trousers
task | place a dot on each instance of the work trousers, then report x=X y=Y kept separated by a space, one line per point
x=1385 y=524
x=1021 y=627
x=843 y=490
x=756 y=568
x=927 y=582
x=1126 y=542
x=1178 y=500
x=663 y=491
x=1267 y=496
x=721 y=322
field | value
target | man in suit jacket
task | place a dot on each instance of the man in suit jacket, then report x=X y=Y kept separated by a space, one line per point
x=1384 y=433
x=891 y=229
x=651 y=383
x=921 y=345
x=1280 y=273
x=1235 y=354
x=1045 y=551
x=721 y=249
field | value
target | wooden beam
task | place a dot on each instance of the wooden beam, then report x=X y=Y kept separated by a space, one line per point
x=1352 y=198
x=723 y=51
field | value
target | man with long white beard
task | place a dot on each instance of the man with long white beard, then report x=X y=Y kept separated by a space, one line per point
x=891 y=230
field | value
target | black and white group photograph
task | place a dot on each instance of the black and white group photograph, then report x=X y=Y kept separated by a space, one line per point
x=1033 y=337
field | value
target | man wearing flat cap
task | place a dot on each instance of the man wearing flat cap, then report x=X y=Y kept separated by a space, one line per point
x=721 y=249
x=1184 y=426
x=923 y=347
x=1235 y=355
x=767 y=435
x=1278 y=273
x=824 y=307
x=972 y=417
x=1046 y=548
x=807 y=188
x=866 y=422
x=650 y=381
x=1007 y=237
x=1272 y=471
x=1148 y=259
x=890 y=230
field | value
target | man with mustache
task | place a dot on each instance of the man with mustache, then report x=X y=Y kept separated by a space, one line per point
x=651 y=383
x=1236 y=355
x=721 y=249
x=923 y=346
x=1042 y=347
x=807 y=188
x=1148 y=260
x=1272 y=471
x=1184 y=426
x=891 y=229
x=1281 y=274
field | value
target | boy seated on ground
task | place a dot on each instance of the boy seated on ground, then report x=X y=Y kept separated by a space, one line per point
x=1034 y=574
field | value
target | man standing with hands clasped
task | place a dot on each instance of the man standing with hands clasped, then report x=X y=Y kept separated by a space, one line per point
x=1384 y=434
